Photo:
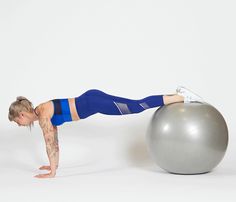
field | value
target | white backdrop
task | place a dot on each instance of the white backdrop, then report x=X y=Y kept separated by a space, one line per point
x=54 y=49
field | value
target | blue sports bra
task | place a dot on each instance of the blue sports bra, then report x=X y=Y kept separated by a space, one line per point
x=61 y=112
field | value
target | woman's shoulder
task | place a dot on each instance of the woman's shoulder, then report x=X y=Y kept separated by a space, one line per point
x=45 y=109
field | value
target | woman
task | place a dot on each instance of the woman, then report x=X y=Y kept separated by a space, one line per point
x=55 y=112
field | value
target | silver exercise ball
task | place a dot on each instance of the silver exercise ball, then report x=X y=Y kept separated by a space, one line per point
x=187 y=138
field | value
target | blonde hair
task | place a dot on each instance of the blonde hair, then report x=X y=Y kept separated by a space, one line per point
x=20 y=104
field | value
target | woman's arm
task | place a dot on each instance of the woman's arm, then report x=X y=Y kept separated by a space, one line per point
x=51 y=139
x=57 y=145
x=57 y=155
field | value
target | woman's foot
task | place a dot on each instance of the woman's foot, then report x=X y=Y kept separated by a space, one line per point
x=188 y=95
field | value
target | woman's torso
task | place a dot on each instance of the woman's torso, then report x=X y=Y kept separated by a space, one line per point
x=59 y=110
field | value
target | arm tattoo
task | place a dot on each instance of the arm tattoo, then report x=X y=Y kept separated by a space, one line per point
x=52 y=144
x=46 y=125
x=51 y=139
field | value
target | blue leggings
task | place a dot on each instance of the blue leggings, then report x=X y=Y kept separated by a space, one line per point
x=96 y=101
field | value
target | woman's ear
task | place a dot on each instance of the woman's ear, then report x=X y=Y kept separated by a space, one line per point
x=21 y=114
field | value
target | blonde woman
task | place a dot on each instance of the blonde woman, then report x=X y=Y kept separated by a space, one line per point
x=54 y=113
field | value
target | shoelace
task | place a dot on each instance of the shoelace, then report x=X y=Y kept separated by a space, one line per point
x=178 y=90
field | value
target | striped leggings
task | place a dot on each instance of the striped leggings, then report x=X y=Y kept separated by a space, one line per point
x=96 y=101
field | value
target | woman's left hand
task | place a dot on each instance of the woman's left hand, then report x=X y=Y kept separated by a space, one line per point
x=47 y=175
x=45 y=168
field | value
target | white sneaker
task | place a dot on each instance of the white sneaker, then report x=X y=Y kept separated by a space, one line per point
x=188 y=95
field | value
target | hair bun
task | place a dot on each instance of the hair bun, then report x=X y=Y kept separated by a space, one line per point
x=20 y=98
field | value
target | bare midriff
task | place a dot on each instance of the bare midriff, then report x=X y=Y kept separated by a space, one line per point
x=73 y=111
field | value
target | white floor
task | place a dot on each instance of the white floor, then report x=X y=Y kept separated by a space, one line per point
x=117 y=184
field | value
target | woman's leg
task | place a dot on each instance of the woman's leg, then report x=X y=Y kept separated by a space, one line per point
x=168 y=99
x=101 y=102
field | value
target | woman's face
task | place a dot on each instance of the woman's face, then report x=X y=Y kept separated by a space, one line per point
x=22 y=120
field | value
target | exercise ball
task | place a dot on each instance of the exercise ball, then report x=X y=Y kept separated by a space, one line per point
x=187 y=138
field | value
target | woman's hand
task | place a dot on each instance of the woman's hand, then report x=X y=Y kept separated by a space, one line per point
x=47 y=175
x=45 y=168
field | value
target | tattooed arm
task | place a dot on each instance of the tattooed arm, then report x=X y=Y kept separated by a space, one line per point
x=51 y=139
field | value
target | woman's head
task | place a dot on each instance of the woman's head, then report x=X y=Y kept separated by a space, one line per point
x=20 y=111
